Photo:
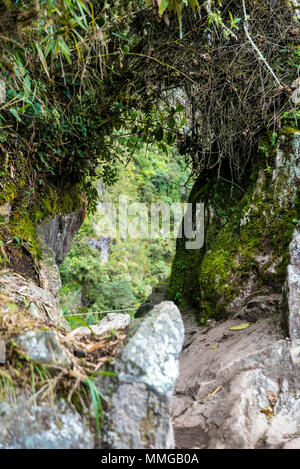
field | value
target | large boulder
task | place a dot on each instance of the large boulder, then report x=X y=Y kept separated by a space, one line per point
x=248 y=232
x=55 y=236
x=292 y=290
x=139 y=398
x=112 y=321
x=57 y=233
x=17 y=292
x=43 y=346
x=28 y=425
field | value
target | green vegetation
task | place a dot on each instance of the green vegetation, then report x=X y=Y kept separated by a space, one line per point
x=247 y=237
x=90 y=85
x=134 y=265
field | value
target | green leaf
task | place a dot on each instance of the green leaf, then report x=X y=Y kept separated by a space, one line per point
x=171 y=122
x=97 y=403
x=15 y=113
x=241 y=327
x=159 y=134
x=42 y=59
x=163 y=6
x=17 y=239
x=64 y=50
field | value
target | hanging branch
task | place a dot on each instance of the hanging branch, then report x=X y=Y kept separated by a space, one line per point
x=256 y=49
x=208 y=7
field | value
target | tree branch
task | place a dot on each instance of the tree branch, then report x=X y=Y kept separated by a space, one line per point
x=254 y=46
x=208 y=7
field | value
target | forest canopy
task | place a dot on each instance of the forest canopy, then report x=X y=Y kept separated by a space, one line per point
x=89 y=82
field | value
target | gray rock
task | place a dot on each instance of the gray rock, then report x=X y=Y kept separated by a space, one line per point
x=292 y=289
x=2 y=92
x=55 y=237
x=227 y=381
x=111 y=321
x=139 y=399
x=27 y=425
x=38 y=302
x=2 y=351
x=49 y=275
x=286 y=175
x=159 y=294
x=261 y=307
x=101 y=245
x=58 y=232
x=295 y=6
x=43 y=346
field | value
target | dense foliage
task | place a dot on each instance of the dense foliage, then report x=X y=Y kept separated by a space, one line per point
x=133 y=265
x=88 y=84
x=73 y=79
x=70 y=90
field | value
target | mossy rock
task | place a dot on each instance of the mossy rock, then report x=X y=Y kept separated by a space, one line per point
x=28 y=208
x=247 y=238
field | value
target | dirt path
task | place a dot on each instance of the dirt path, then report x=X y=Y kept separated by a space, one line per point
x=237 y=389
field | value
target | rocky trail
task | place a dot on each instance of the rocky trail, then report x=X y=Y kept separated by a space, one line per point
x=237 y=389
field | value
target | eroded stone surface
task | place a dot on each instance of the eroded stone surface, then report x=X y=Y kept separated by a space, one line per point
x=137 y=400
x=40 y=303
x=58 y=232
x=55 y=236
x=159 y=294
x=138 y=413
x=229 y=378
x=2 y=92
x=292 y=289
x=43 y=347
x=27 y=425
x=261 y=307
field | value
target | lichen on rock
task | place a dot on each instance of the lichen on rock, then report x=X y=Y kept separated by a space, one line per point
x=139 y=397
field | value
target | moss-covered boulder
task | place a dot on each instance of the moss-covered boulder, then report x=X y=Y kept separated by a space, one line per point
x=248 y=231
x=38 y=220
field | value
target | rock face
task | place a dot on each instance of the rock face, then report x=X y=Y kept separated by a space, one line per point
x=248 y=232
x=43 y=347
x=57 y=233
x=2 y=92
x=140 y=397
x=238 y=389
x=54 y=238
x=292 y=289
x=137 y=400
x=44 y=426
x=31 y=299
x=159 y=294
x=110 y=322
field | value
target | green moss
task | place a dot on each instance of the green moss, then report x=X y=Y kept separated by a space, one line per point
x=8 y=192
x=232 y=259
x=52 y=202
x=30 y=206
x=183 y=281
x=23 y=226
x=289 y=131
x=215 y=275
